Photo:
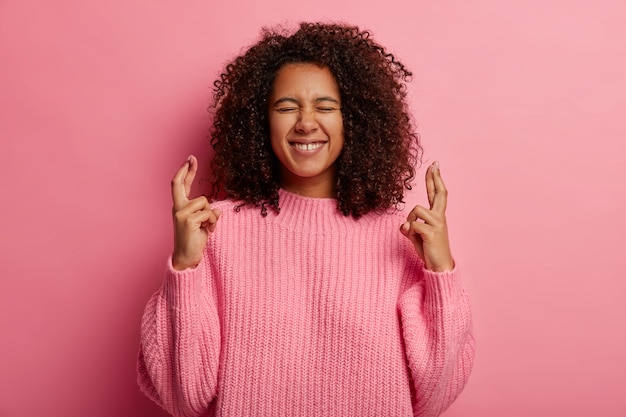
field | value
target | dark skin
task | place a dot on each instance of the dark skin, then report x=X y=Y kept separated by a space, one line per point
x=194 y=219
x=427 y=229
x=306 y=132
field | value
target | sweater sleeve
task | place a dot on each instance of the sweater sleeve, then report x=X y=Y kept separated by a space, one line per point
x=180 y=342
x=437 y=330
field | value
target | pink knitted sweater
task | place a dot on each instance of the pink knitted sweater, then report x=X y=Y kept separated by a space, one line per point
x=306 y=313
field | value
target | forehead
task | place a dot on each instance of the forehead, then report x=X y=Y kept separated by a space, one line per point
x=306 y=80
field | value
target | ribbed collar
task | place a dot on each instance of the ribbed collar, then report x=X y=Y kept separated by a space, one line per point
x=313 y=215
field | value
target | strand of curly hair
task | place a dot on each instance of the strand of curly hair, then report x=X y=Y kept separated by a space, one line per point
x=381 y=148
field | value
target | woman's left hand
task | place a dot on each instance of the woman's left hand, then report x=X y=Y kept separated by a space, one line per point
x=427 y=228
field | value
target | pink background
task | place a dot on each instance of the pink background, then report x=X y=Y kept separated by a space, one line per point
x=523 y=102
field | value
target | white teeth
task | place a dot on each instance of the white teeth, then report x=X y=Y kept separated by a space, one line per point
x=307 y=146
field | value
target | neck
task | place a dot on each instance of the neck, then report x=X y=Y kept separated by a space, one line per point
x=310 y=191
x=311 y=187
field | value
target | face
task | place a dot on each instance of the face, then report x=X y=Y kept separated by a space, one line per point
x=306 y=128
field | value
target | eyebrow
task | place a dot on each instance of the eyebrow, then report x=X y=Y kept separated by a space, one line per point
x=293 y=100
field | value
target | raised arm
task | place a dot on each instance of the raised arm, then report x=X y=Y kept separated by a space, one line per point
x=193 y=219
x=180 y=332
x=435 y=310
x=437 y=331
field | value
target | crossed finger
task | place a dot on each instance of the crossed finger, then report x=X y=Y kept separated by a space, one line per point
x=181 y=183
x=436 y=189
x=421 y=213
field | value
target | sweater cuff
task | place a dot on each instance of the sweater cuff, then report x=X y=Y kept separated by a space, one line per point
x=442 y=288
x=180 y=287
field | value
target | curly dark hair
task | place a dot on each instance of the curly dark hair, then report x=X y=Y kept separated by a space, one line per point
x=381 y=147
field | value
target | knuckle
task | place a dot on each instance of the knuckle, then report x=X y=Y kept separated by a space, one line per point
x=179 y=217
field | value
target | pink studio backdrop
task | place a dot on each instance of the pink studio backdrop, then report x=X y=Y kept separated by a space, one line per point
x=523 y=102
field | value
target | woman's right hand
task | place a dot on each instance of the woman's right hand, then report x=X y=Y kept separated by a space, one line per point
x=193 y=219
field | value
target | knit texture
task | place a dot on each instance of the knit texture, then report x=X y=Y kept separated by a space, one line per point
x=306 y=313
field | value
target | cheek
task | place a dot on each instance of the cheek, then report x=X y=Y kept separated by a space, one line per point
x=279 y=127
x=336 y=127
x=276 y=135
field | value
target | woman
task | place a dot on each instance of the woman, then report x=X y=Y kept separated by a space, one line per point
x=303 y=291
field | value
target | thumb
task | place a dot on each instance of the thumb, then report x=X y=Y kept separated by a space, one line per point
x=414 y=237
x=211 y=226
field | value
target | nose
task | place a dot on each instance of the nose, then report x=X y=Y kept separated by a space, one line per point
x=307 y=121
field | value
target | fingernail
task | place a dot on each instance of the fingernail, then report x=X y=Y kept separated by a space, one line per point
x=437 y=165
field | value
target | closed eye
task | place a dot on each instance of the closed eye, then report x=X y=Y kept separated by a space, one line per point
x=286 y=109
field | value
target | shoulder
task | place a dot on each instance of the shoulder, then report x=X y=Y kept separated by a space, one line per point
x=387 y=226
x=235 y=209
x=389 y=215
x=225 y=205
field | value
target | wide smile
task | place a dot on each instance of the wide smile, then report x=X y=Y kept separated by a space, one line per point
x=307 y=148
